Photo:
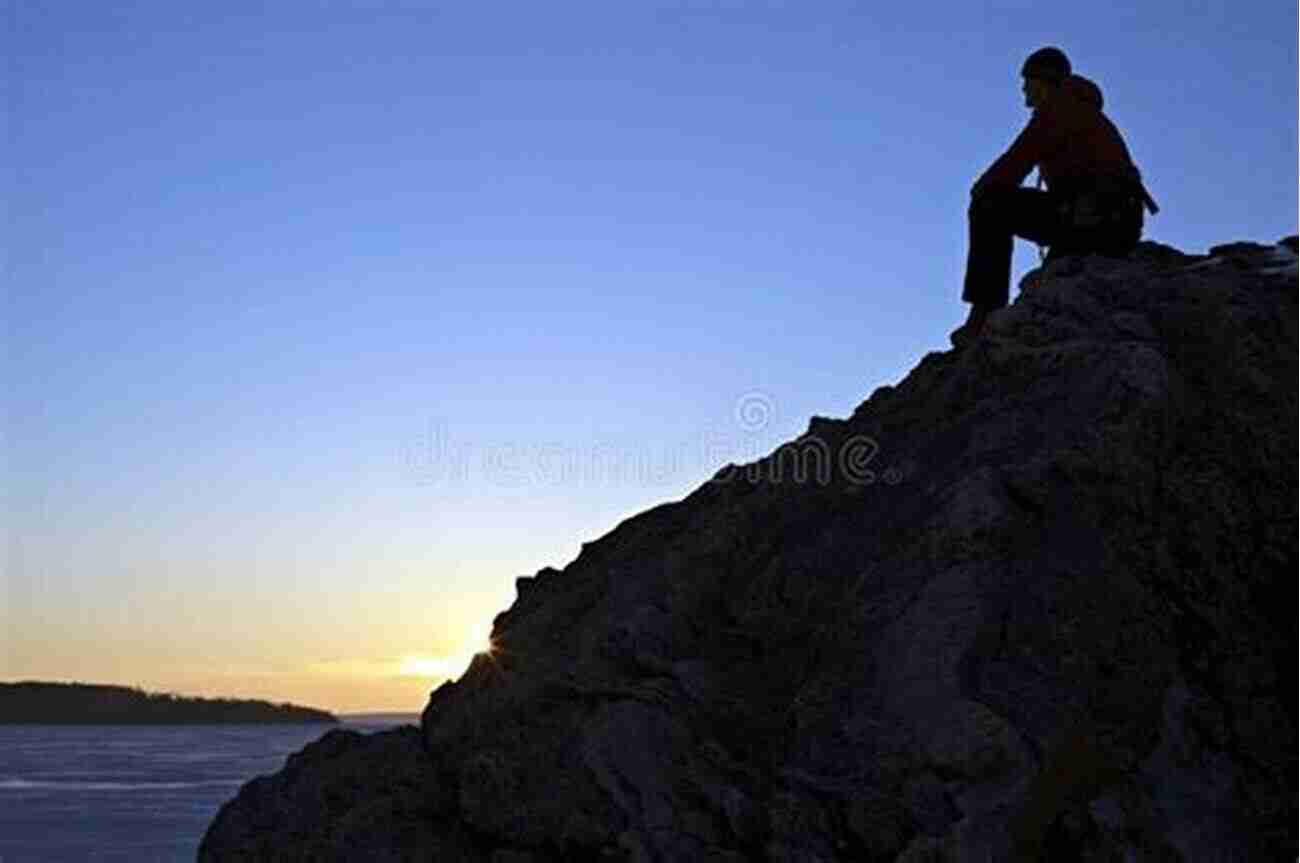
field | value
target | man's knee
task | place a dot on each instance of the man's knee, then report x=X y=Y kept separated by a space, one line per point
x=990 y=203
x=1027 y=213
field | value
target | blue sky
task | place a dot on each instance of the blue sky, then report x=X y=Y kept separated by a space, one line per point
x=328 y=320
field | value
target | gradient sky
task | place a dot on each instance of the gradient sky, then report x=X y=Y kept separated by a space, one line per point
x=327 y=320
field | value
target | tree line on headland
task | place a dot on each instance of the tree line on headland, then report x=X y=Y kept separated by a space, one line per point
x=97 y=704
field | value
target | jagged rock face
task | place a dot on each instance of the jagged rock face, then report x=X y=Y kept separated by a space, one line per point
x=1033 y=603
x=347 y=796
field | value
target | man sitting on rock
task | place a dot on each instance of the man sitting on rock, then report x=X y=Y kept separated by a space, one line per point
x=1094 y=196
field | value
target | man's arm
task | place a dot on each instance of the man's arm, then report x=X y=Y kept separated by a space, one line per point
x=1011 y=168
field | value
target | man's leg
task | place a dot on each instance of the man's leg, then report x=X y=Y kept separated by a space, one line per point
x=996 y=217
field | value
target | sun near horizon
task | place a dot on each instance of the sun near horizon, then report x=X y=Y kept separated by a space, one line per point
x=384 y=684
x=398 y=684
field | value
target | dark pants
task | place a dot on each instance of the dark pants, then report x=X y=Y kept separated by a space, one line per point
x=997 y=216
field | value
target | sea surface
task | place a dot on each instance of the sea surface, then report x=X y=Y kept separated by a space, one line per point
x=132 y=793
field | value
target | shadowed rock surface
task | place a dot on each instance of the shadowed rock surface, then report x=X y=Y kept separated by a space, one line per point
x=1033 y=603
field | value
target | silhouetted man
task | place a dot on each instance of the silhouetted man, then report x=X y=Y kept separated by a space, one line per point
x=1094 y=196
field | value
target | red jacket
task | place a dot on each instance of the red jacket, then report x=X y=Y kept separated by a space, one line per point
x=1069 y=139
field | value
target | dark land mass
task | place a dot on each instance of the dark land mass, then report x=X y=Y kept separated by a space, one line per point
x=1032 y=603
x=32 y=702
x=394 y=717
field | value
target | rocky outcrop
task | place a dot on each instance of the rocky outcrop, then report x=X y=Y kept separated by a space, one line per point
x=1032 y=603
x=347 y=796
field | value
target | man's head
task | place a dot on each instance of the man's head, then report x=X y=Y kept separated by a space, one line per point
x=1043 y=71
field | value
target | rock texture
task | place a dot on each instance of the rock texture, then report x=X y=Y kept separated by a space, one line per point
x=1032 y=603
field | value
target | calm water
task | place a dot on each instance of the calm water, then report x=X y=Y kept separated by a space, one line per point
x=137 y=793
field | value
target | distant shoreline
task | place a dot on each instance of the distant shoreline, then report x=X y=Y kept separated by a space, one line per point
x=42 y=703
x=398 y=717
